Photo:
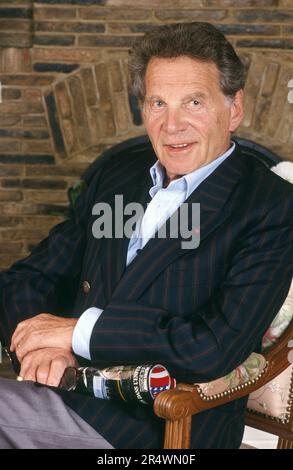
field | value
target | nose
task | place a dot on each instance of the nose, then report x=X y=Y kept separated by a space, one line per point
x=174 y=121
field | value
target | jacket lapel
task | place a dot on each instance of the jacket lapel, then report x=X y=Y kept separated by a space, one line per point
x=113 y=251
x=213 y=195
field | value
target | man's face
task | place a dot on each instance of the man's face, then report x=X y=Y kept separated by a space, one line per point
x=186 y=115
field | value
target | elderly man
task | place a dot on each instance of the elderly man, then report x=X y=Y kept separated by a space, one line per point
x=198 y=310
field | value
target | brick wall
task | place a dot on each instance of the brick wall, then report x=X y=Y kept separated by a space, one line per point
x=65 y=96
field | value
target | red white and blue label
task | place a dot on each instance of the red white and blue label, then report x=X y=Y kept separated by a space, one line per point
x=160 y=380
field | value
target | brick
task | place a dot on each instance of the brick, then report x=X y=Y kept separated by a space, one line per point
x=249 y=29
x=121 y=112
x=74 y=2
x=16 y=13
x=15 y=39
x=34 y=184
x=54 y=40
x=270 y=79
x=279 y=103
x=34 y=121
x=102 y=80
x=9 y=195
x=89 y=85
x=62 y=13
x=69 y=27
x=11 y=94
x=95 y=121
x=63 y=100
x=10 y=248
x=66 y=54
x=55 y=67
x=106 y=41
x=43 y=196
x=10 y=171
x=32 y=94
x=8 y=221
x=79 y=111
x=9 y=120
x=70 y=135
x=128 y=28
x=57 y=170
x=21 y=134
x=15 y=25
x=284 y=131
x=27 y=159
x=14 y=208
x=26 y=80
x=115 y=73
x=157 y=3
x=252 y=89
x=262 y=16
x=13 y=60
x=9 y=145
x=114 y=14
x=197 y=15
x=287 y=30
x=266 y=43
x=37 y=146
x=54 y=123
x=21 y=107
x=241 y=3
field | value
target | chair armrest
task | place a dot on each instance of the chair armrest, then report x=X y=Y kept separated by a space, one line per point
x=187 y=399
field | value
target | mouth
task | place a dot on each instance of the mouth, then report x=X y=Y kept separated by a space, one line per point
x=179 y=148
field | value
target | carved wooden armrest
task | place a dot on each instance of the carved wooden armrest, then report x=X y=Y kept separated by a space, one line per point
x=178 y=405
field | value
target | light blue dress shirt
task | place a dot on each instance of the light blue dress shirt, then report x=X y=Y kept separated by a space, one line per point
x=165 y=201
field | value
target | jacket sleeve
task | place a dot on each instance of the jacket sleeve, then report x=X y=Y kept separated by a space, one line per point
x=222 y=334
x=41 y=282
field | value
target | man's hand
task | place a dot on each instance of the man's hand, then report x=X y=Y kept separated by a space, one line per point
x=42 y=331
x=47 y=365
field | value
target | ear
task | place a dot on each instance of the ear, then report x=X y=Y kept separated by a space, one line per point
x=237 y=110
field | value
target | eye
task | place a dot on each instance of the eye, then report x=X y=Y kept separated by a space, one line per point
x=158 y=104
x=194 y=102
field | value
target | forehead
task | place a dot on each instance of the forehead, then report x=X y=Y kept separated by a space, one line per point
x=182 y=73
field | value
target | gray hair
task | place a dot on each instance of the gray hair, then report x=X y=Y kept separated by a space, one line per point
x=197 y=40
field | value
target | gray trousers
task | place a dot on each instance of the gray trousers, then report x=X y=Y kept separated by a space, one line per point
x=36 y=418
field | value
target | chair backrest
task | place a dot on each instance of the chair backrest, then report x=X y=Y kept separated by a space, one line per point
x=142 y=144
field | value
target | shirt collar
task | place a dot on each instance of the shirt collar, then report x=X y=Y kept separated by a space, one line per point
x=190 y=181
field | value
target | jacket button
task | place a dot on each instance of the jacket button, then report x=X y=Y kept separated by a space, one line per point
x=86 y=287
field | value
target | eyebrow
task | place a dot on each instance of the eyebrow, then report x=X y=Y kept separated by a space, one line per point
x=196 y=94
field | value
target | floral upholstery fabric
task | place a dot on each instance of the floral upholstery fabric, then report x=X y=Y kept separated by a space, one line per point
x=272 y=399
x=249 y=370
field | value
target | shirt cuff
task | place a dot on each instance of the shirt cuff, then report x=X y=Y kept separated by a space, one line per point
x=83 y=331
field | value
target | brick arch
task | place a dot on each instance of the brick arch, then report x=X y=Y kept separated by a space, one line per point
x=91 y=109
x=268 y=112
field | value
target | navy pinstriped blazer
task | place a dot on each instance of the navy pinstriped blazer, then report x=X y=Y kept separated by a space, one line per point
x=199 y=312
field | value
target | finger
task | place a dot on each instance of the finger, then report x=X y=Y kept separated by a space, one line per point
x=58 y=366
x=27 y=368
x=18 y=333
x=27 y=343
x=43 y=372
x=29 y=373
